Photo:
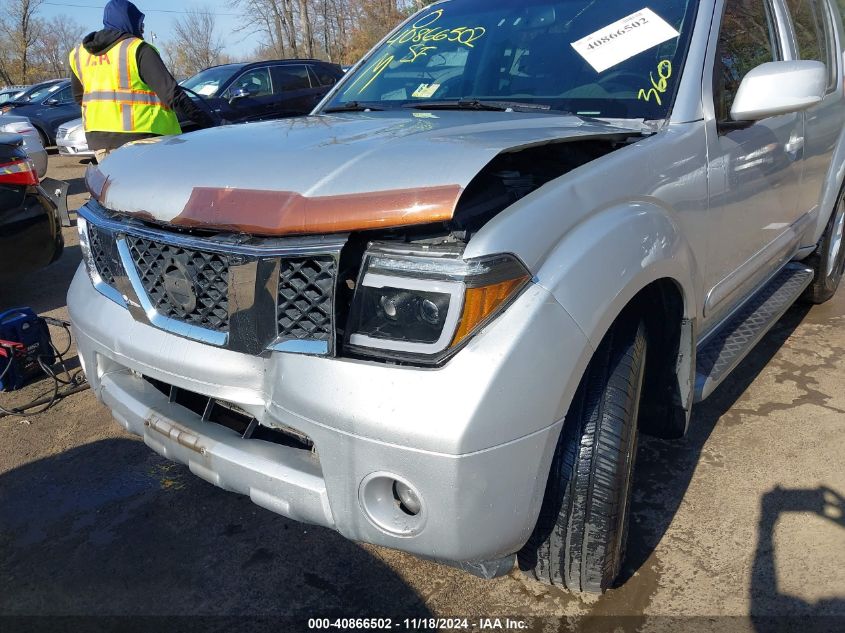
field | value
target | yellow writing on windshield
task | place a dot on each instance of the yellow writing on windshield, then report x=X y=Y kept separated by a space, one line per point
x=373 y=73
x=415 y=52
x=419 y=36
x=660 y=86
x=425 y=30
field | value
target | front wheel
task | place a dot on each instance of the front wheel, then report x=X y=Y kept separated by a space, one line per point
x=580 y=538
x=829 y=259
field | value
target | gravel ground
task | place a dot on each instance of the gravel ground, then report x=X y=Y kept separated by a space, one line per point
x=734 y=527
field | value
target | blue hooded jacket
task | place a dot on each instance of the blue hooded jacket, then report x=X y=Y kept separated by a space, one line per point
x=123 y=16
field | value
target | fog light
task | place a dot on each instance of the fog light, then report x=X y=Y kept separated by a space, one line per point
x=392 y=504
x=408 y=500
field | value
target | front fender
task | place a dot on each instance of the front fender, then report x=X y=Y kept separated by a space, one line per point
x=603 y=263
x=830 y=193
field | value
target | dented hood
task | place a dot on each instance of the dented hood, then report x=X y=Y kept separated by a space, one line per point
x=321 y=174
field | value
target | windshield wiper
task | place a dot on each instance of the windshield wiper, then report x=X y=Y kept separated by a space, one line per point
x=353 y=106
x=475 y=104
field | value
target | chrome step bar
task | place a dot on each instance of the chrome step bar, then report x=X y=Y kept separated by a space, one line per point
x=720 y=353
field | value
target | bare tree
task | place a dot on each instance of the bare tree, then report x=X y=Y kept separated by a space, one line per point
x=337 y=30
x=275 y=21
x=195 y=45
x=21 y=28
x=306 y=28
x=59 y=36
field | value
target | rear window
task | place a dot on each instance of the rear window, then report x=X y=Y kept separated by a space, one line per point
x=289 y=78
x=323 y=75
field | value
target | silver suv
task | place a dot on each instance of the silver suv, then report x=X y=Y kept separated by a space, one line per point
x=435 y=314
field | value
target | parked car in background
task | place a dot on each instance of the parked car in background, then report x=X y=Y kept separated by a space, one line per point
x=11 y=124
x=436 y=314
x=30 y=226
x=10 y=93
x=37 y=91
x=71 y=141
x=264 y=90
x=47 y=108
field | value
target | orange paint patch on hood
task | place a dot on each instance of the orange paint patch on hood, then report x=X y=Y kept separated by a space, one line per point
x=277 y=213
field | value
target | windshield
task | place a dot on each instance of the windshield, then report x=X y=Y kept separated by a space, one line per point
x=208 y=82
x=601 y=59
x=39 y=93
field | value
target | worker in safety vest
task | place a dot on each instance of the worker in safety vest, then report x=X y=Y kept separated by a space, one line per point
x=123 y=86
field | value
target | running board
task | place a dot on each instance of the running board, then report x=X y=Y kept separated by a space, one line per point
x=724 y=349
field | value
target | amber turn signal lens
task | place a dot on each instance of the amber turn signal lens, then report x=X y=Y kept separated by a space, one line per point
x=480 y=303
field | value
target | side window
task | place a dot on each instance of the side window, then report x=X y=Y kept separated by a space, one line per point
x=747 y=38
x=256 y=82
x=813 y=33
x=841 y=7
x=325 y=77
x=289 y=78
x=64 y=96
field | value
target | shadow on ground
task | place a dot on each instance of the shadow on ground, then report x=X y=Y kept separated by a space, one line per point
x=110 y=528
x=43 y=290
x=773 y=611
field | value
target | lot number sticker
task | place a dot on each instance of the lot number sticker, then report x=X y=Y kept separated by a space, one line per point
x=622 y=40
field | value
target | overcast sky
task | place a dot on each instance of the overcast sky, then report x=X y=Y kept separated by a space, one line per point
x=90 y=14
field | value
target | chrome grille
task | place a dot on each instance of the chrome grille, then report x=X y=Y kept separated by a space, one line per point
x=104 y=252
x=245 y=294
x=208 y=272
x=306 y=299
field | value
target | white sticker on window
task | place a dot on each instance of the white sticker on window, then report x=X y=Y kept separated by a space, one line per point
x=426 y=91
x=622 y=40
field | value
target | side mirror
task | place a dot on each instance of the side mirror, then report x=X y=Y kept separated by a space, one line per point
x=238 y=94
x=779 y=88
x=52 y=101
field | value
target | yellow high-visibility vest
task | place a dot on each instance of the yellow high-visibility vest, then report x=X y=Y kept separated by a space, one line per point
x=116 y=98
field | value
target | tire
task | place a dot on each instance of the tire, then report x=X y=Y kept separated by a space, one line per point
x=581 y=535
x=828 y=261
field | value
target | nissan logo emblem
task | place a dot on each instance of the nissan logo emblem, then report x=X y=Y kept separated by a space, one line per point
x=179 y=286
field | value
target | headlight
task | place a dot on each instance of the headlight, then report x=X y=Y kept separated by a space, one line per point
x=421 y=304
x=85 y=247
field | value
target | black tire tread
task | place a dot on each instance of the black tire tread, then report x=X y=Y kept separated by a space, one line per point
x=823 y=287
x=576 y=540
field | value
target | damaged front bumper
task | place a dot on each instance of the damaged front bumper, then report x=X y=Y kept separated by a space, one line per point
x=473 y=440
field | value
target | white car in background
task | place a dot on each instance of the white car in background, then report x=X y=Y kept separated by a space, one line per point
x=71 y=141
x=31 y=140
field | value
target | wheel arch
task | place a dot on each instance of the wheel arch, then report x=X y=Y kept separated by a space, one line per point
x=633 y=261
x=667 y=396
x=833 y=188
x=42 y=132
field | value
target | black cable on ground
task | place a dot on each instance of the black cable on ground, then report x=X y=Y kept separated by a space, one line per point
x=37 y=403
x=75 y=381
